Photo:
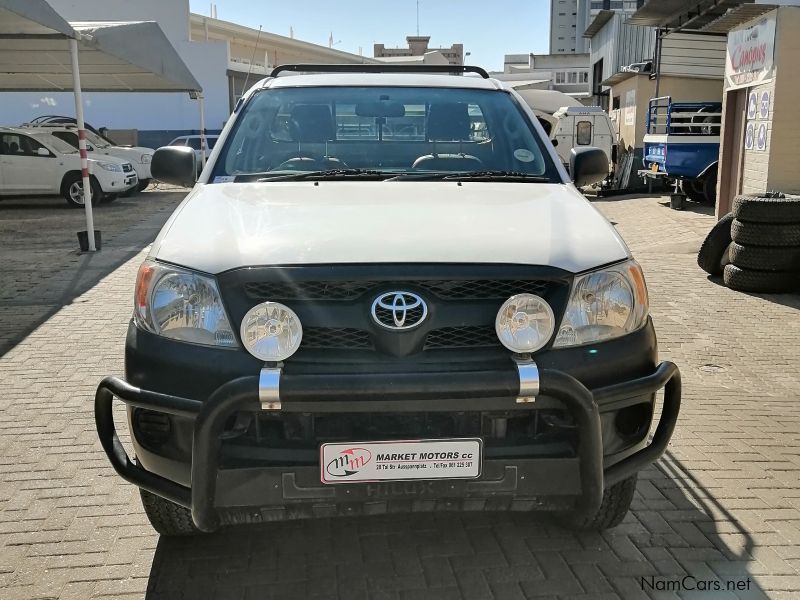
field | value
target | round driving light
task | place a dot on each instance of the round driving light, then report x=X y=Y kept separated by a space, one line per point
x=524 y=323
x=271 y=331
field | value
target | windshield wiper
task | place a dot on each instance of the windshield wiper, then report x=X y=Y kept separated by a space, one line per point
x=328 y=174
x=512 y=176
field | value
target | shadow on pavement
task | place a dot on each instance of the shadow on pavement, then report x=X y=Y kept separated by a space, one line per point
x=695 y=207
x=789 y=299
x=672 y=543
x=42 y=271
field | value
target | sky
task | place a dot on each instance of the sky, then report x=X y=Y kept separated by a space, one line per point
x=487 y=29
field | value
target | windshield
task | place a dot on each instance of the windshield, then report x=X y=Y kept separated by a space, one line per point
x=56 y=144
x=392 y=130
x=96 y=141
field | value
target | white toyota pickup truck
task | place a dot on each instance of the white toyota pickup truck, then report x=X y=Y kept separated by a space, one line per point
x=384 y=293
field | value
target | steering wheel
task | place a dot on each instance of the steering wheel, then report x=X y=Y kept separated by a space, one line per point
x=308 y=163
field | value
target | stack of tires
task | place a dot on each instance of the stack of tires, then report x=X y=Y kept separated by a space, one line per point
x=756 y=247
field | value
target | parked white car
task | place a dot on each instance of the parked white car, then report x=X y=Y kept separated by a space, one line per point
x=34 y=162
x=138 y=156
x=193 y=141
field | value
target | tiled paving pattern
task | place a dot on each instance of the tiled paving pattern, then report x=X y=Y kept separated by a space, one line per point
x=723 y=506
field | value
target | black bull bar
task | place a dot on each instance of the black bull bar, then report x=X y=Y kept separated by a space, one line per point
x=242 y=395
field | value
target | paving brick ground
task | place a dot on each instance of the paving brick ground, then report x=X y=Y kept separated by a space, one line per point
x=722 y=506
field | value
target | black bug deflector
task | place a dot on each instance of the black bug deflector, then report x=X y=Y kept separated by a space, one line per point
x=279 y=484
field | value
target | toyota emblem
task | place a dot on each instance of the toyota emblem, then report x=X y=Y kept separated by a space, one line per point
x=399 y=310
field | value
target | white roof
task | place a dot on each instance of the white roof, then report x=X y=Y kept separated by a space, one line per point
x=382 y=79
x=548 y=101
x=132 y=56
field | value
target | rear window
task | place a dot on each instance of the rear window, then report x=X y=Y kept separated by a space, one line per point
x=583 y=134
x=392 y=129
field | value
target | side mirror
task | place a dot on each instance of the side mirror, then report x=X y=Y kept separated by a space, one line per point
x=175 y=165
x=587 y=165
x=42 y=152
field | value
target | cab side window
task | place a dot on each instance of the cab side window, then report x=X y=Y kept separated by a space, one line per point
x=19 y=145
x=67 y=136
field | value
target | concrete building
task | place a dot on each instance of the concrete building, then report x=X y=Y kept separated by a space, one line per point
x=218 y=54
x=418 y=46
x=568 y=72
x=253 y=54
x=613 y=46
x=570 y=18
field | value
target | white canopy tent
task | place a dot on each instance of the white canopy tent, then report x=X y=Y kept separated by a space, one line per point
x=40 y=51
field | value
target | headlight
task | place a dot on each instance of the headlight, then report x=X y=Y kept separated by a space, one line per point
x=271 y=331
x=524 y=323
x=605 y=304
x=181 y=305
x=110 y=167
x=146 y=158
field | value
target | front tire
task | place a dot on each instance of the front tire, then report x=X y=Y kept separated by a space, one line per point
x=143 y=183
x=616 y=504
x=166 y=517
x=72 y=190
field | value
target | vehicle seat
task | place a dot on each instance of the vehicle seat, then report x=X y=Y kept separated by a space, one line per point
x=311 y=123
x=448 y=122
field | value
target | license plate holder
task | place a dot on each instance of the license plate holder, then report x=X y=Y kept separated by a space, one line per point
x=401 y=460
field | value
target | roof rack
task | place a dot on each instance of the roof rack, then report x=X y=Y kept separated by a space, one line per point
x=379 y=68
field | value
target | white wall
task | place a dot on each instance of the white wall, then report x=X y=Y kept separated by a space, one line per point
x=208 y=61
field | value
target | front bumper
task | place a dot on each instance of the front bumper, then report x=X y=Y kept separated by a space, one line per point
x=219 y=496
x=113 y=182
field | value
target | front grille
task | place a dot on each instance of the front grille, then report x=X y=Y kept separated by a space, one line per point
x=476 y=289
x=335 y=305
x=462 y=337
x=320 y=338
x=336 y=338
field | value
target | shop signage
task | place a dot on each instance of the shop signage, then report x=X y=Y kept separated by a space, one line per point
x=749 y=133
x=630 y=107
x=761 y=137
x=763 y=106
x=752 y=105
x=750 y=53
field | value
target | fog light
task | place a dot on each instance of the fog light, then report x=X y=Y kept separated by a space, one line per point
x=634 y=421
x=151 y=427
x=524 y=323
x=271 y=331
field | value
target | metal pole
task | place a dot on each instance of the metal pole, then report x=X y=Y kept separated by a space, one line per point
x=202 y=132
x=658 y=60
x=87 y=188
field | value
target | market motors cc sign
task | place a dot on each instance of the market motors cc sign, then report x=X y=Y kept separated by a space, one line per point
x=749 y=57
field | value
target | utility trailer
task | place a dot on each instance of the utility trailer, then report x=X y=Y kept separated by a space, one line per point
x=682 y=145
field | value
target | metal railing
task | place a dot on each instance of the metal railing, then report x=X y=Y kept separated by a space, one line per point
x=683 y=118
